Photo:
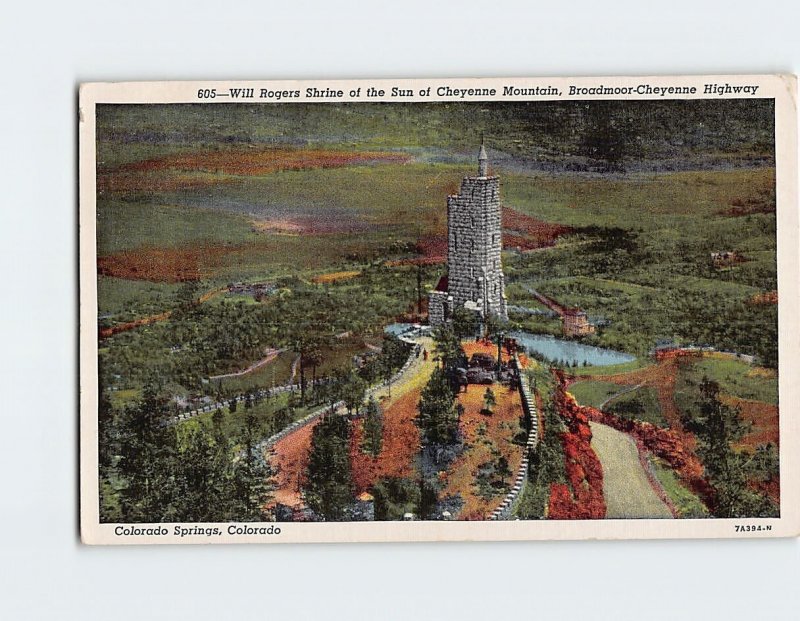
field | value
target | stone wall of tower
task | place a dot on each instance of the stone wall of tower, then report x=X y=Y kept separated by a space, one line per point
x=475 y=271
x=438 y=307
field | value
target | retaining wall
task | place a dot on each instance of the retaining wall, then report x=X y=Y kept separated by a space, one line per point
x=506 y=508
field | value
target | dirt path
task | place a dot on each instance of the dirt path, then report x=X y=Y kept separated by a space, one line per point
x=626 y=488
x=618 y=395
x=271 y=354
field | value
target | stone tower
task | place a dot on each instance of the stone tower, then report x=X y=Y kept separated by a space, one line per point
x=475 y=274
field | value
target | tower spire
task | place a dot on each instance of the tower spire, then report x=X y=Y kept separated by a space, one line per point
x=483 y=161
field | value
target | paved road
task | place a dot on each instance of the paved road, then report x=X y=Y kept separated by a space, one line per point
x=626 y=488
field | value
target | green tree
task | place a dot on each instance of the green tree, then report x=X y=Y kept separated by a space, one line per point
x=107 y=448
x=329 y=486
x=306 y=340
x=438 y=417
x=201 y=477
x=386 y=371
x=765 y=463
x=393 y=352
x=314 y=358
x=251 y=474
x=353 y=390
x=428 y=497
x=147 y=460
x=448 y=347
x=394 y=497
x=489 y=400
x=502 y=468
x=717 y=426
x=465 y=323
x=373 y=428
x=188 y=294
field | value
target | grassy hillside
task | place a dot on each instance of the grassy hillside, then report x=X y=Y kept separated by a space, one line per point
x=693 y=133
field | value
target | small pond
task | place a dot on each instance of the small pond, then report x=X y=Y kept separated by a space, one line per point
x=570 y=351
x=406 y=329
x=546 y=345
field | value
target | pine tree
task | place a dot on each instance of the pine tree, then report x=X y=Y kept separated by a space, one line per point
x=197 y=477
x=251 y=484
x=329 y=487
x=448 y=347
x=353 y=390
x=373 y=428
x=717 y=426
x=489 y=400
x=438 y=417
x=465 y=322
x=147 y=460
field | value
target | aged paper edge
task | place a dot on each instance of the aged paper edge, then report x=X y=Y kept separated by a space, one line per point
x=781 y=88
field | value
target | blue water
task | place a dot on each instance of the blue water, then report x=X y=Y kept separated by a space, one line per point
x=398 y=329
x=570 y=351
x=550 y=347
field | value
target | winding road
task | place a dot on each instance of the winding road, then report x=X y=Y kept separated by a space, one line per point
x=626 y=487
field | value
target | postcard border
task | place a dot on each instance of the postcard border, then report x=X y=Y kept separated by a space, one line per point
x=781 y=88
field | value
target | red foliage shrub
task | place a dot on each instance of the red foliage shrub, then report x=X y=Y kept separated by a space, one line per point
x=531 y=233
x=583 y=498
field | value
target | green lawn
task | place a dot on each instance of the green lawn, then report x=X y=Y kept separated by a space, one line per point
x=737 y=378
x=666 y=198
x=614 y=369
x=125 y=225
x=687 y=503
x=536 y=324
x=593 y=393
x=640 y=404
x=127 y=299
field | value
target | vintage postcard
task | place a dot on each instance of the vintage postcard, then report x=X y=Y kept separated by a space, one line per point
x=439 y=309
